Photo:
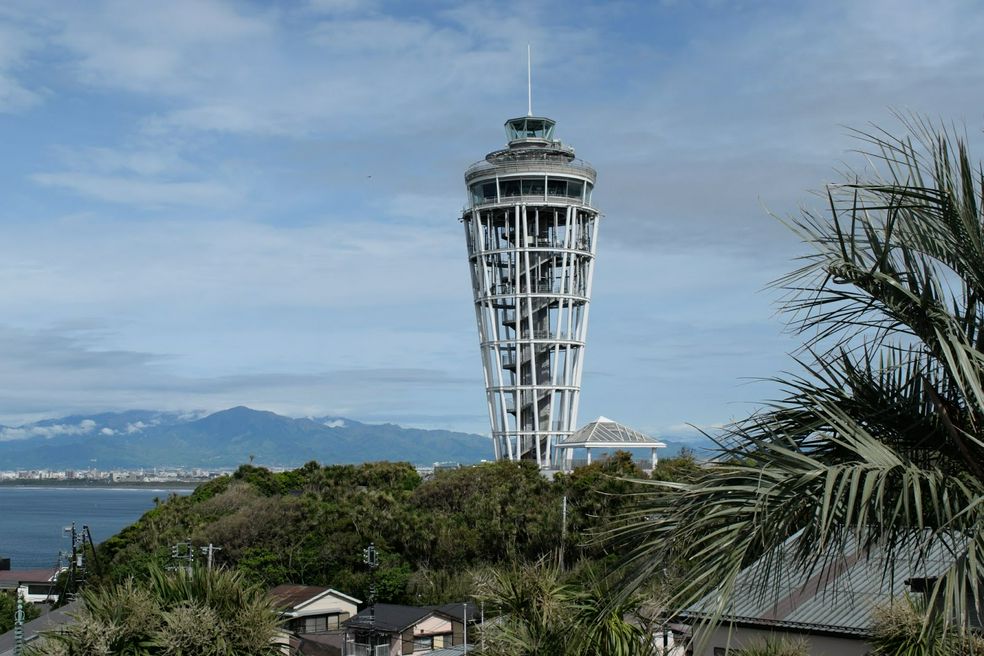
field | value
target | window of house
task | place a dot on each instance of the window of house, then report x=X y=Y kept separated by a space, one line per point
x=316 y=624
x=423 y=643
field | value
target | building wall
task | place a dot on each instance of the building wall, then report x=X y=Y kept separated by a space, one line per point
x=330 y=603
x=744 y=637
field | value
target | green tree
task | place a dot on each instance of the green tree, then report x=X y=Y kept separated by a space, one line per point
x=204 y=612
x=898 y=629
x=878 y=443
x=544 y=611
x=533 y=607
x=8 y=607
x=773 y=646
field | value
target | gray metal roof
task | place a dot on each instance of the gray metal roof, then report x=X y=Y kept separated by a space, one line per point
x=457 y=650
x=49 y=621
x=836 y=596
x=604 y=432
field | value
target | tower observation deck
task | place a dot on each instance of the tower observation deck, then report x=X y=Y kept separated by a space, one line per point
x=531 y=232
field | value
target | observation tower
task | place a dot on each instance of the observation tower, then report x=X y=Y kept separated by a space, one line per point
x=531 y=232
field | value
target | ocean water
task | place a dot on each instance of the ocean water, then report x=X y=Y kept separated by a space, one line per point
x=32 y=519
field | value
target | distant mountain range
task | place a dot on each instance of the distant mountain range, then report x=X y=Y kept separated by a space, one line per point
x=143 y=438
x=139 y=438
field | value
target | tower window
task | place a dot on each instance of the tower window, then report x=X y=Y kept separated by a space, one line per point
x=557 y=188
x=511 y=188
x=533 y=187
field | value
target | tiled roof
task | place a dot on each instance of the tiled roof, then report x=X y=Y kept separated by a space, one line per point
x=391 y=618
x=457 y=611
x=606 y=432
x=838 y=596
x=291 y=596
x=33 y=575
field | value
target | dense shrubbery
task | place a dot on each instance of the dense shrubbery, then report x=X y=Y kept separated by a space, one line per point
x=202 y=612
x=311 y=524
x=8 y=606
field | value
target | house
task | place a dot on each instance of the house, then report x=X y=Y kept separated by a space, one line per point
x=313 y=617
x=829 y=607
x=395 y=630
x=35 y=585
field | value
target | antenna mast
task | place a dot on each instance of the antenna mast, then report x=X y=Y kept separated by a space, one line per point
x=529 y=80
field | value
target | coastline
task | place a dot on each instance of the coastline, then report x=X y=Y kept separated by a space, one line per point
x=103 y=485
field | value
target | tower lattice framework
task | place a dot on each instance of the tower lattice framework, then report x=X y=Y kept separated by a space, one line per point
x=531 y=232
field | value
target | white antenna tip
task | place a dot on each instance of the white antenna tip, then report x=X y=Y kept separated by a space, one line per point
x=529 y=80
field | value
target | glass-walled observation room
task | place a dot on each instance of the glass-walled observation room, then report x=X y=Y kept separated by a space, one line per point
x=542 y=187
x=530 y=127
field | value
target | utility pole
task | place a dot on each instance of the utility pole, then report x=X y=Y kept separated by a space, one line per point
x=563 y=529
x=76 y=566
x=209 y=552
x=464 y=626
x=371 y=558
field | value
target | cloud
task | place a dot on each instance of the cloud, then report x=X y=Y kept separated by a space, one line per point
x=47 y=431
x=307 y=70
x=50 y=373
x=140 y=192
x=158 y=49
x=15 y=46
x=256 y=203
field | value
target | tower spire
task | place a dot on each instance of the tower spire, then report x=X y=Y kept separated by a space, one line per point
x=529 y=80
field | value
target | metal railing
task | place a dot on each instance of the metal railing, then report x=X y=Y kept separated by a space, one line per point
x=534 y=199
x=538 y=288
x=360 y=649
x=486 y=248
x=575 y=166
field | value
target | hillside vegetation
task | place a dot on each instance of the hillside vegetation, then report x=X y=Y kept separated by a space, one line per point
x=310 y=525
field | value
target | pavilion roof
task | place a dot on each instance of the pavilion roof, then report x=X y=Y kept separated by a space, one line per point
x=604 y=432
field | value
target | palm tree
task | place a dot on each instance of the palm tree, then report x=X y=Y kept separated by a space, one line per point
x=878 y=443
x=530 y=605
x=202 y=612
x=540 y=610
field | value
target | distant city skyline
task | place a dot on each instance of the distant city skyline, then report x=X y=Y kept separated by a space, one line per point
x=209 y=203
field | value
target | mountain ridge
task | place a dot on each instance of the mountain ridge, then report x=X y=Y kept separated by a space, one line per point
x=227 y=438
